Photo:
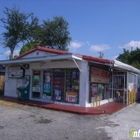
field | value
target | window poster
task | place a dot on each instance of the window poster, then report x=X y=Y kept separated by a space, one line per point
x=36 y=81
x=100 y=89
x=47 y=88
x=94 y=89
x=71 y=96
x=58 y=84
x=47 y=85
x=57 y=94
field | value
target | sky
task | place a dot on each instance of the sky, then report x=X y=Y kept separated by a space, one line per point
x=95 y=26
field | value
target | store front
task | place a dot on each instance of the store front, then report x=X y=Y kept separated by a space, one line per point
x=60 y=85
x=65 y=78
x=100 y=90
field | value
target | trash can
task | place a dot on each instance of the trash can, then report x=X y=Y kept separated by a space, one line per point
x=23 y=94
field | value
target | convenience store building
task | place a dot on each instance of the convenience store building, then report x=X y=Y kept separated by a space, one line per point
x=60 y=77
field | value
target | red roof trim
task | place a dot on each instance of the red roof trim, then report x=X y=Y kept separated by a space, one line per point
x=43 y=49
x=85 y=57
x=101 y=60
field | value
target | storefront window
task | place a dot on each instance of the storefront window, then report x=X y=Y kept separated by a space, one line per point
x=66 y=85
x=72 y=85
x=58 y=84
x=36 y=84
x=99 y=83
x=47 y=84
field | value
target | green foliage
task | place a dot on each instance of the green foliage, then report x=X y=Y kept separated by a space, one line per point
x=21 y=27
x=55 y=34
x=131 y=58
x=17 y=27
x=52 y=34
x=28 y=46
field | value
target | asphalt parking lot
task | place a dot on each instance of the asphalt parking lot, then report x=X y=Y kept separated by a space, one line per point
x=21 y=122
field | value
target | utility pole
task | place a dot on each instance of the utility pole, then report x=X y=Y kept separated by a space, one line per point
x=101 y=54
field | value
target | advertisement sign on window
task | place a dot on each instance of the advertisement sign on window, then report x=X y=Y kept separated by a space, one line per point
x=36 y=82
x=57 y=94
x=94 y=89
x=47 y=88
x=99 y=75
x=100 y=89
x=47 y=85
x=71 y=97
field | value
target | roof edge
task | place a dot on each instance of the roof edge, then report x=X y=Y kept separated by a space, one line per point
x=43 y=49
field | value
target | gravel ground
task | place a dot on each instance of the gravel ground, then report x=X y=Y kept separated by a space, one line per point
x=21 y=122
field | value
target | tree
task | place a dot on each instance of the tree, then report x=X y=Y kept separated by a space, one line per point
x=17 y=28
x=28 y=46
x=130 y=57
x=54 y=34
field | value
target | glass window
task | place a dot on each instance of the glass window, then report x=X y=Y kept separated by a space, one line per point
x=36 y=84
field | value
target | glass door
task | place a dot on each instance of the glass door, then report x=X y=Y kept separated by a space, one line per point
x=47 y=85
x=36 y=84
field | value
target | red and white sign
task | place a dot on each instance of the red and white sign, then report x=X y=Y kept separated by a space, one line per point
x=99 y=75
x=71 y=97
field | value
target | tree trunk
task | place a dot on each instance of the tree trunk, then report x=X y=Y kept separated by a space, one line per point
x=11 y=54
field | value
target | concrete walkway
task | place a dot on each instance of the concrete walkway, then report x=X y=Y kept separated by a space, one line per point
x=108 y=108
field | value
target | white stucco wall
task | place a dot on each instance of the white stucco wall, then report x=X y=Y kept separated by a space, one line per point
x=38 y=54
x=10 y=88
x=84 y=84
x=10 y=85
x=55 y=64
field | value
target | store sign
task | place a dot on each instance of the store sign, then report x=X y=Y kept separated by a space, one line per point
x=15 y=71
x=71 y=97
x=99 y=75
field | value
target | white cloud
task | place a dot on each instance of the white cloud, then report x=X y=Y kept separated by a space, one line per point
x=115 y=57
x=16 y=52
x=132 y=44
x=75 y=45
x=98 y=48
x=88 y=43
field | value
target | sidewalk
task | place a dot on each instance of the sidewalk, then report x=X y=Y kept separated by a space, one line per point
x=108 y=108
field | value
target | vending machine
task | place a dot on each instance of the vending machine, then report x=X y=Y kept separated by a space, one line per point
x=23 y=87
